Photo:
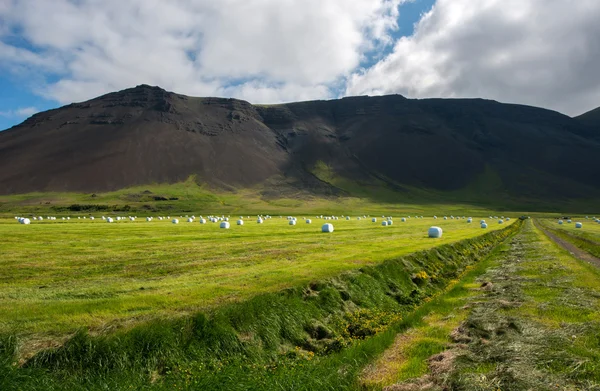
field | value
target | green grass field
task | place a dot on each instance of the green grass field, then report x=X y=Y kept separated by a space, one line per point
x=57 y=276
x=589 y=230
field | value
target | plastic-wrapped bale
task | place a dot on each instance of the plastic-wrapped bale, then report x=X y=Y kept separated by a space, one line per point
x=25 y=221
x=374 y=220
x=569 y=221
x=358 y=218
x=259 y=221
x=202 y=221
x=190 y=220
x=91 y=218
x=148 y=218
x=500 y=221
x=445 y=218
x=508 y=219
x=327 y=228
x=308 y=221
x=578 y=225
x=384 y=223
x=560 y=222
x=469 y=220
x=109 y=220
x=224 y=224
x=483 y=225
x=435 y=217
x=240 y=222
x=435 y=232
x=292 y=222
x=175 y=221
x=347 y=217
x=390 y=222
x=403 y=220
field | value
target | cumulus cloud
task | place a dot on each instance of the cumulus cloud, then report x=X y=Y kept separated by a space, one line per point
x=539 y=52
x=19 y=113
x=261 y=50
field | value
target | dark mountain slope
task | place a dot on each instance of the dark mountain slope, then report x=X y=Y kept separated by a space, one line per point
x=591 y=119
x=145 y=135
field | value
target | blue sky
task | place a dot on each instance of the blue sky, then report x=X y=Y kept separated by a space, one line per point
x=17 y=99
x=533 y=52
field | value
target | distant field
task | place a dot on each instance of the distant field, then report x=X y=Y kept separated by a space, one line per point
x=590 y=229
x=58 y=276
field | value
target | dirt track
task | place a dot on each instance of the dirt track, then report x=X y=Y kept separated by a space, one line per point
x=570 y=247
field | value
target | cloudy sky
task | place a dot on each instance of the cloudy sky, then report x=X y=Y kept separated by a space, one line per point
x=539 y=52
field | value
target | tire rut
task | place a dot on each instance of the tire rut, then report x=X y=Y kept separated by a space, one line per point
x=570 y=247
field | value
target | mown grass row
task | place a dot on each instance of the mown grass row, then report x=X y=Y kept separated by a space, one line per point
x=317 y=336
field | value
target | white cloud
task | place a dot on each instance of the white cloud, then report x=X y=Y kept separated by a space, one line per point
x=19 y=113
x=539 y=52
x=256 y=49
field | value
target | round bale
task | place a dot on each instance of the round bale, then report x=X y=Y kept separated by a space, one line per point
x=435 y=232
x=327 y=228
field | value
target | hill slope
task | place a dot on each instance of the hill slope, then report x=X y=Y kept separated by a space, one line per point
x=147 y=135
x=591 y=119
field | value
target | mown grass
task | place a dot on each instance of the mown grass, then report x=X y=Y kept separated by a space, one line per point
x=408 y=356
x=586 y=238
x=536 y=328
x=58 y=276
x=318 y=336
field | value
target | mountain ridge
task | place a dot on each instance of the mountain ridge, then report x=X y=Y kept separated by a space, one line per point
x=147 y=135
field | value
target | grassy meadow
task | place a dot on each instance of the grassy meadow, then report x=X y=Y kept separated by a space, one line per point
x=58 y=276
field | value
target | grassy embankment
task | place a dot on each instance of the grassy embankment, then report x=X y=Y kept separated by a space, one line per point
x=316 y=336
x=531 y=322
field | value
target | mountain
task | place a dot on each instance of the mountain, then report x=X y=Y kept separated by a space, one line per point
x=471 y=147
x=591 y=119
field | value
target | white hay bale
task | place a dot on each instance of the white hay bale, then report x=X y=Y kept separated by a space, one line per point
x=435 y=217
x=508 y=219
x=327 y=228
x=25 y=221
x=148 y=219
x=483 y=225
x=445 y=218
x=292 y=222
x=224 y=224
x=390 y=222
x=358 y=218
x=560 y=222
x=109 y=220
x=384 y=223
x=175 y=221
x=578 y=225
x=374 y=220
x=190 y=220
x=259 y=221
x=469 y=220
x=569 y=221
x=91 y=218
x=240 y=222
x=403 y=220
x=308 y=221
x=347 y=217
x=500 y=221
x=434 y=232
x=202 y=221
